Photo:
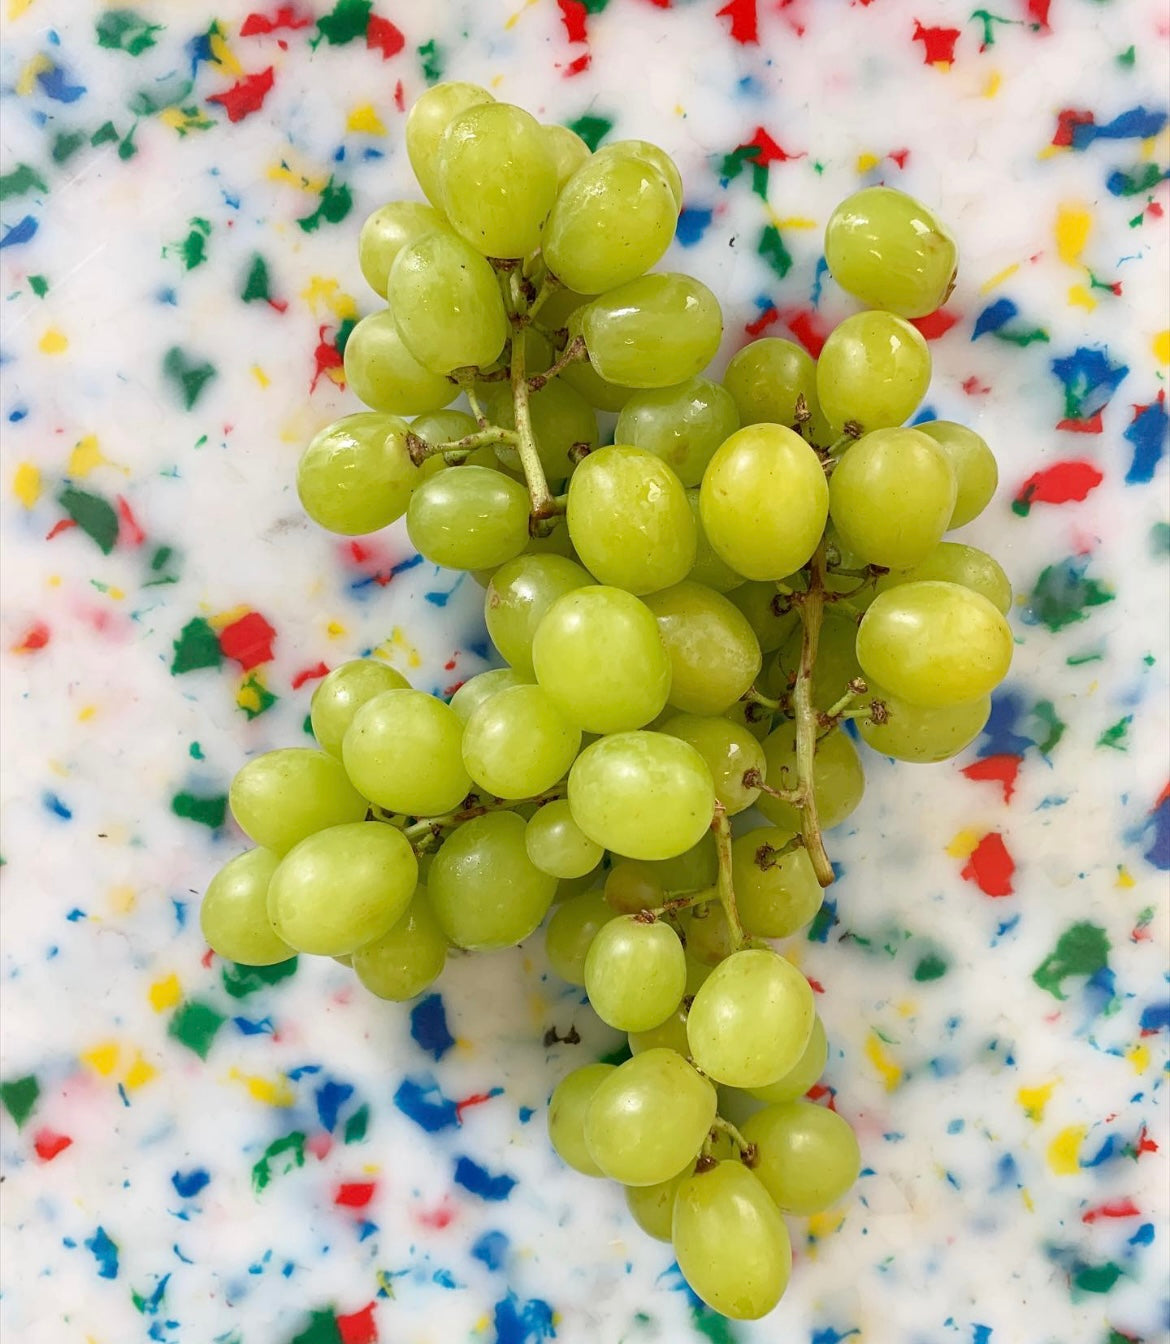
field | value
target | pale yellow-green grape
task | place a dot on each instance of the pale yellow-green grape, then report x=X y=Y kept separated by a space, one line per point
x=233 y=914
x=517 y=597
x=670 y=1034
x=693 y=869
x=407 y=959
x=777 y=894
x=468 y=518
x=765 y=380
x=342 y=887
x=441 y=427
x=485 y=890
x=764 y=501
x=708 y=567
x=497 y=178
x=629 y=520
x=427 y=121
x=356 y=476
x=652 y=1206
x=583 y=378
x=635 y=973
x=382 y=372
x=651 y=154
x=807 y=1156
x=567 y=1109
x=403 y=751
x=708 y=933
x=518 y=743
x=386 y=232
x=655 y=331
x=633 y=885
x=890 y=251
x=649 y=1118
x=598 y=653
x=570 y=932
x=697 y=973
x=283 y=796
x=730 y=1241
x=683 y=424
x=952 y=562
x=975 y=467
x=714 y=653
x=916 y=733
x=757 y=719
x=730 y=751
x=612 y=220
x=934 y=643
x=766 y=613
x=557 y=845
x=803 y=1074
x=343 y=692
x=836 y=664
x=873 y=371
x=475 y=690
x=751 y=1020
x=446 y=303
x=838 y=779
x=568 y=151
x=642 y=795
x=560 y=418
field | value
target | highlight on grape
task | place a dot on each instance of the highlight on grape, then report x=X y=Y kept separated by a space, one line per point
x=687 y=618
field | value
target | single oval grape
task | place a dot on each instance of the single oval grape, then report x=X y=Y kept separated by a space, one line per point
x=635 y=973
x=475 y=690
x=408 y=958
x=952 y=562
x=571 y=931
x=653 y=155
x=766 y=380
x=356 y=476
x=518 y=596
x=386 y=232
x=557 y=845
x=976 y=471
x=518 y=743
x=713 y=651
x=233 y=915
x=655 y=331
x=917 y=733
x=567 y=1109
x=838 y=779
x=403 y=750
x=568 y=151
x=774 y=623
x=669 y=1034
x=873 y=371
x=382 y=372
x=683 y=424
x=776 y=893
x=632 y=885
x=807 y=1157
x=731 y=753
x=804 y=1074
x=343 y=692
x=468 y=518
x=283 y=796
x=652 y=1206
x=425 y=124
x=709 y=568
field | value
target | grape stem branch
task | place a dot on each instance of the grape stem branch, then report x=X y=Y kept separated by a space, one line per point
x=456 y=450
x=811 y=609
x=724 y=887
x=543 y=504
x=747 y=1151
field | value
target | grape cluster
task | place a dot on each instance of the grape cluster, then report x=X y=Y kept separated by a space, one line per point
x=688 y=616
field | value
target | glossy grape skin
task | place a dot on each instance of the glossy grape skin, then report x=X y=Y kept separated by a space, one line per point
x=777 y=900
x=567 y=1109
x=557 y=845
x=632 y=885
x=934 y=644
x=281 y=797
x=774 y=625
x=708 y=568
x=485 y=891
x=408 y=958
x=765 y=379
x=403 y=750
x=708 y=934
x=976 y=470
x=683 y=424
x=382 y=372
x=652 y=1206
x=764 y=501
x=952 y=562
x=356 y=475
x=475 y=690
x=386 y=232
x=233 y=915
x=803 y=1075
x=873 y=371
x=642 y=795
x=425 y=124
x=729 y=750
x=571 y=931
x=655 y=331
x=648 y=1119
x=518 y=743
x=838 y=779
x=713 y=651
x=807 y=1155
x=517 y=597
x=441 y=427
x=653 y=155
x=635 y=973
x=916 y=733
x=342 y=693
x=468 y=518
x=560 y=415
x=584 y=379
x=568 y=151
x=341 y=888
x=695 y=867
x=670 y=1034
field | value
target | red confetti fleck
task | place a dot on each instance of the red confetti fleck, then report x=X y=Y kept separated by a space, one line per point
x=206 y=959
x=1038 y=12
x=63 y=526
x=576 y=67
x=1066 y=120
x=974 y=388
x=661 y=4
x=1001 y=769
x=745 y=24
x=325 y=358
x=1115 y=1208
x=355 y=1194
x=938 y=44
x=815 y=985
x=808 y=327
x=438 y=1218
x=1161 y=798
x=248 y=641
x=990 y=866
x=320 y=1145
x=476 y=1099
x=449 y=665
x=573 y=16
x=285 y=17
x=1092 y=425
x=128 y=529
x=246 y=95
x=359 y=1327
x=767 y=150
x=935 y=324
x=1154 y=209
x=899 y=156
x=763 y=322
x=400 y=97
x=818 y=1091
x=309 y=674
x=1062 y=483
x=48 y=1144
x=383 y=36
x=1144 y=1143
x=35 y=638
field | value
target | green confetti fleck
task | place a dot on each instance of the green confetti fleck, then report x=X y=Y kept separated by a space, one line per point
x=20 y=1096
x=123 y=30
x=93 y=514
x=1127 y=57
x=194 y=1025
x=189 y=376
x=431 y=58
x=356 y=1125
x=160 y=566
x=344 y=331
x=196 y=647
x=308 y=724
x=105 y=134
x=1080 y=659
x=148 y=102
x=1082 y=949
x=348 y=20
x=1114 y=736
x=39 y=285
x=592 y=129
x=1063 y=594
x=594 y=6
x=335 y=203
x=195 y=751
x=291 y=1144
x=255 y=698
x=712 y=1326
x=127 y=149
x=930 y=967
x=1134 y=182
x=193 y=249
x=988 y=20
x=20 y=181
x=1097 y=1278
x=771 y=248
x=65 y=145
x=256 y=285
x=206 y=811
x=1053 y=726
x=240 y=981
x=1030 y=336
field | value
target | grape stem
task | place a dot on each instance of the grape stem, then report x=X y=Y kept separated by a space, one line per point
x=840 y=710
x=571 y=354
x=543 y=294
x=456 y=450
x=747 y=1151
x=683 y=900
x=543 y=504
x=754 y=697
x=724 y=887
x=422 y=832
x=811 y=609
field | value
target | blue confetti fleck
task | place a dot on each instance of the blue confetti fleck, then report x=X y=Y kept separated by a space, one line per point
x=104 y=1252
x=75 y=915
x=420 y=1100
x=491 y=1249
x=246 y=1026
x=331 y=1097
x=1148 y=435
x=693 y=222
x=1144 y=1236
x=519 y=1322
x=56 y=86
x=189 y=1183
x=1089 y=380
x=999 y=735
x=444 y=1278
x=524 y=1114
x=981 y=1334
x=428 y=1026
x=994 y=316
x=1139 y=123
x=479 y=1181
x=56 y=806
x=1108 y=1150
x=1155 y=1017
x=16 y=415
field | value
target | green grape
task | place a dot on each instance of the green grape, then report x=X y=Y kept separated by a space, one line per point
x=612 y=220
x=714 y=654
x=652 y=1206
x=756 y=718
x=343 y=692
x=567 y=1109
x=632 y=885
x=776 y=893
x=517 y=597
x=583 y=378
x=283 y=796
x=518 y=743
x=497 y=178
x=730 y=751
x=975 y=467
x=917 y=733
x=441 y=427
x=486 y=892
x=560 y=417
x=446 y=304
x=772 y=621
x=751 y=1020
x=649 y=1118
x=804 y=1073
x=643 y=795
x=888 y=250
x=386 y=232
x=557 y=845
x=697 y=973
x=629 y=520
x=838 y=779
x=873 y=371
x=934 y=643
x=382 y=372
x=568 y=887
x=403 y=751
x=670 y=1034
x=655 y=331
x=807 y=1156
x=475 y=690
x=428 y=119
x=730 y=1241
x=468 y=518
x=891 y=497
x=693 y=869
x=598 y=653
x=952 y=562
x=708 y=568
x=708 y=933
x=765 y=379
x=836 y=664
x=764 y=501
x=233 y=914
x=356 y=476
x=568 y=151
x=652 y=155
x=342 y=887
x=570 y=932
x=683 y=425
x=635 y=973
x=407 y=959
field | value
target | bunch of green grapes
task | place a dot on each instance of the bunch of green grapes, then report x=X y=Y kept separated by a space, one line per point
x=686 y=618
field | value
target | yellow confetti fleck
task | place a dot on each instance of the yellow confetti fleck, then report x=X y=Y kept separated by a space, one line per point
x=122 y=900
x=284 y=171
x=1034 y=1099
x=513 y=19
x=335 y=630
x=1000 y=276
x=102 y=1058
x=221 y=620
x=822 y=1225
x=1161 y=346
x=398 y=641
x=1079 y=297
x=1074 y=223
x=793 y=221
x=1125 y=878
x=26 y=484
x=165 y=993
x=260 y=376
x=365 y=120
x=86 y=712
x=877 y=1056
x=248 y=696
x=18 y=7
x=867 y=161
x=991 y=88
x=86 y=457
x=223 y=54
x=26 y=81
x=907 y=1008
x=53 y=581
x=53 y=342
x=271 y=1092
x=963 y=844
x=1063 y=1151
x=1027 y=1200
x=139 y=1073
x=325 y=292
x=1139 y=1057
